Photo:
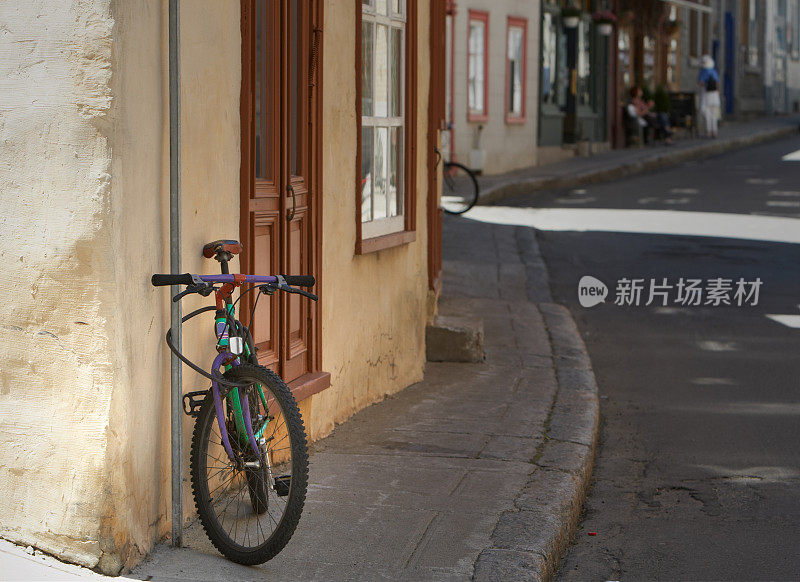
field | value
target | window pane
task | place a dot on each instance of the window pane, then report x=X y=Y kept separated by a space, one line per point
x=396 y=172
x=381 y=71
x=366 y=68
x=382 y=7
x=397 y=7
x=476 y=36
x=381 y=173
x=515 y=70
x=584 y=62
x=549 y=36
x=366 y=174
x=395 y=79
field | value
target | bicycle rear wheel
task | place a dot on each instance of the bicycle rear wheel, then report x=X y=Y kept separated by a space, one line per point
x=460 y=188
x=250 y=512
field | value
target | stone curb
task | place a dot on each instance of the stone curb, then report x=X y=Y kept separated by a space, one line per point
x=529 y=542
x=668 y=158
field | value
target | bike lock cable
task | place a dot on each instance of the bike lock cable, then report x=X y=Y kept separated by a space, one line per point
x=191 y=364
x=206 y=309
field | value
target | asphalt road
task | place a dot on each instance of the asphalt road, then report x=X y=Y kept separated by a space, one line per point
x=698 y=471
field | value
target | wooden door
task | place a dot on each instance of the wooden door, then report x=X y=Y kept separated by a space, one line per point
x=277 y=162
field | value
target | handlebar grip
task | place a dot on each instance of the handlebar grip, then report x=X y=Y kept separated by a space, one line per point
x=300 y=280
x=160 y=280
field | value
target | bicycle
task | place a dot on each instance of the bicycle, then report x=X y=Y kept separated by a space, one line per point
x=248 y=434
x=460 y=188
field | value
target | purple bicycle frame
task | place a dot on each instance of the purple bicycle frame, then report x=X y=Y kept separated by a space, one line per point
x=228 y=357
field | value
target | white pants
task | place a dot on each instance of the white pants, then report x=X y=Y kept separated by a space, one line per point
x=710 y=110
x=711 y=118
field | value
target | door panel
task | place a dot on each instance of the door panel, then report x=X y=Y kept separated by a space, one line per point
x=265 y=325
x=280 y=197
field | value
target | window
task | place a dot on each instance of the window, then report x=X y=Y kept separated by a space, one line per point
x=794 y=29
x=549 y=52
x=705 y=45
x=383 y=192
x=694 y=48
x=477 y=49
x=584 y=64
x=517 y=40
x=750 y=15
x=625 y=61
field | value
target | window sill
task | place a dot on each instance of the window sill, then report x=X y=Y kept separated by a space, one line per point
x=515 y=120
x=379 y=243
x=309 y=384
x=477 y=118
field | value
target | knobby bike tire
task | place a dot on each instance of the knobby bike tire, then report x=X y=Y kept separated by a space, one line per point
x=459 y=188
x=262 y=502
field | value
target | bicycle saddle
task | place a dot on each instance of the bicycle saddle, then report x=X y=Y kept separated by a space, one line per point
x=218 y=246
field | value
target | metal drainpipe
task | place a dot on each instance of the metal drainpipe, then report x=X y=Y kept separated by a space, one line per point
x=176 y=383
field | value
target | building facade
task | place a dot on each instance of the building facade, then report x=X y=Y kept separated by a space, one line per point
x=576 y=78
x=492 y=84
x=308 y=132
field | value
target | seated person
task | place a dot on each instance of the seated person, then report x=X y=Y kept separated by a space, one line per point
x=658 y=121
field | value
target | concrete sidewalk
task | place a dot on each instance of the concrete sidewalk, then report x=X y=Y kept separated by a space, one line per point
x=625 y=162
x=478 y=472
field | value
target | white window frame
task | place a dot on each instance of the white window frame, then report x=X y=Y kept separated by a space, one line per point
x=480 y=17
x=375 y=227
x=521 y=25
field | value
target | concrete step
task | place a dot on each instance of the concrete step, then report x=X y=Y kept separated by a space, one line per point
x=455 y=338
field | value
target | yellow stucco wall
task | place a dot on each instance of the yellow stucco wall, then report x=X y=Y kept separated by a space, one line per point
x=373 y=305
x=138 y=458
x=85 y=471
x=84 y=388
x=57 y=358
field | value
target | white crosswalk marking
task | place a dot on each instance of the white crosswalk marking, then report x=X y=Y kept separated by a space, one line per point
x=784 y=203
x=792 y=157
x=787 y=320
x=787 y=193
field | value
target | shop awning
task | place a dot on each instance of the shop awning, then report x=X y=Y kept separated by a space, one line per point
x=690 y=5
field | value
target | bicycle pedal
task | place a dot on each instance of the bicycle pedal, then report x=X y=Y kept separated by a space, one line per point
x=282 y=485
x=192 y=401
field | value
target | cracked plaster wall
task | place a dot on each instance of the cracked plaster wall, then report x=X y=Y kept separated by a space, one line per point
x=56 y=362
x=84 y=180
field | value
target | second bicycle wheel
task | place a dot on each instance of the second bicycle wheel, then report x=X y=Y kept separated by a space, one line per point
x=250 y=509
x=459 y=190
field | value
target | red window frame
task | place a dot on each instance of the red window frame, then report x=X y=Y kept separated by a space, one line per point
x=523 y=24
x=481 y=16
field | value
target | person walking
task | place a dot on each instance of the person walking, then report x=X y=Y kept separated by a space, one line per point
x=708 y=80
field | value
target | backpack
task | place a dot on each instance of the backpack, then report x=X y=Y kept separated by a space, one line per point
x=711 y=84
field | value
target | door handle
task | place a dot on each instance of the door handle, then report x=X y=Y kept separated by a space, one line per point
x=290 y=188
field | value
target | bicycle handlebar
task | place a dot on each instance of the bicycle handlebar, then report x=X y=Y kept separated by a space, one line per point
x=161 y=280
x=300 y=280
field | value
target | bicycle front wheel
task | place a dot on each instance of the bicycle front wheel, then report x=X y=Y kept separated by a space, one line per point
x=459 y=190
x=250 y=509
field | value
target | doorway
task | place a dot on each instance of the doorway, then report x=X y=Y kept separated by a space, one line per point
x=280 y=205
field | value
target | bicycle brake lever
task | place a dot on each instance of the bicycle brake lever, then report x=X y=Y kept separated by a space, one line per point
x=203 y=289
x=284 y=286
x=303 y=293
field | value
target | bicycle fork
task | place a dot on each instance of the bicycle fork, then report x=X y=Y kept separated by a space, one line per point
x=245 y=413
